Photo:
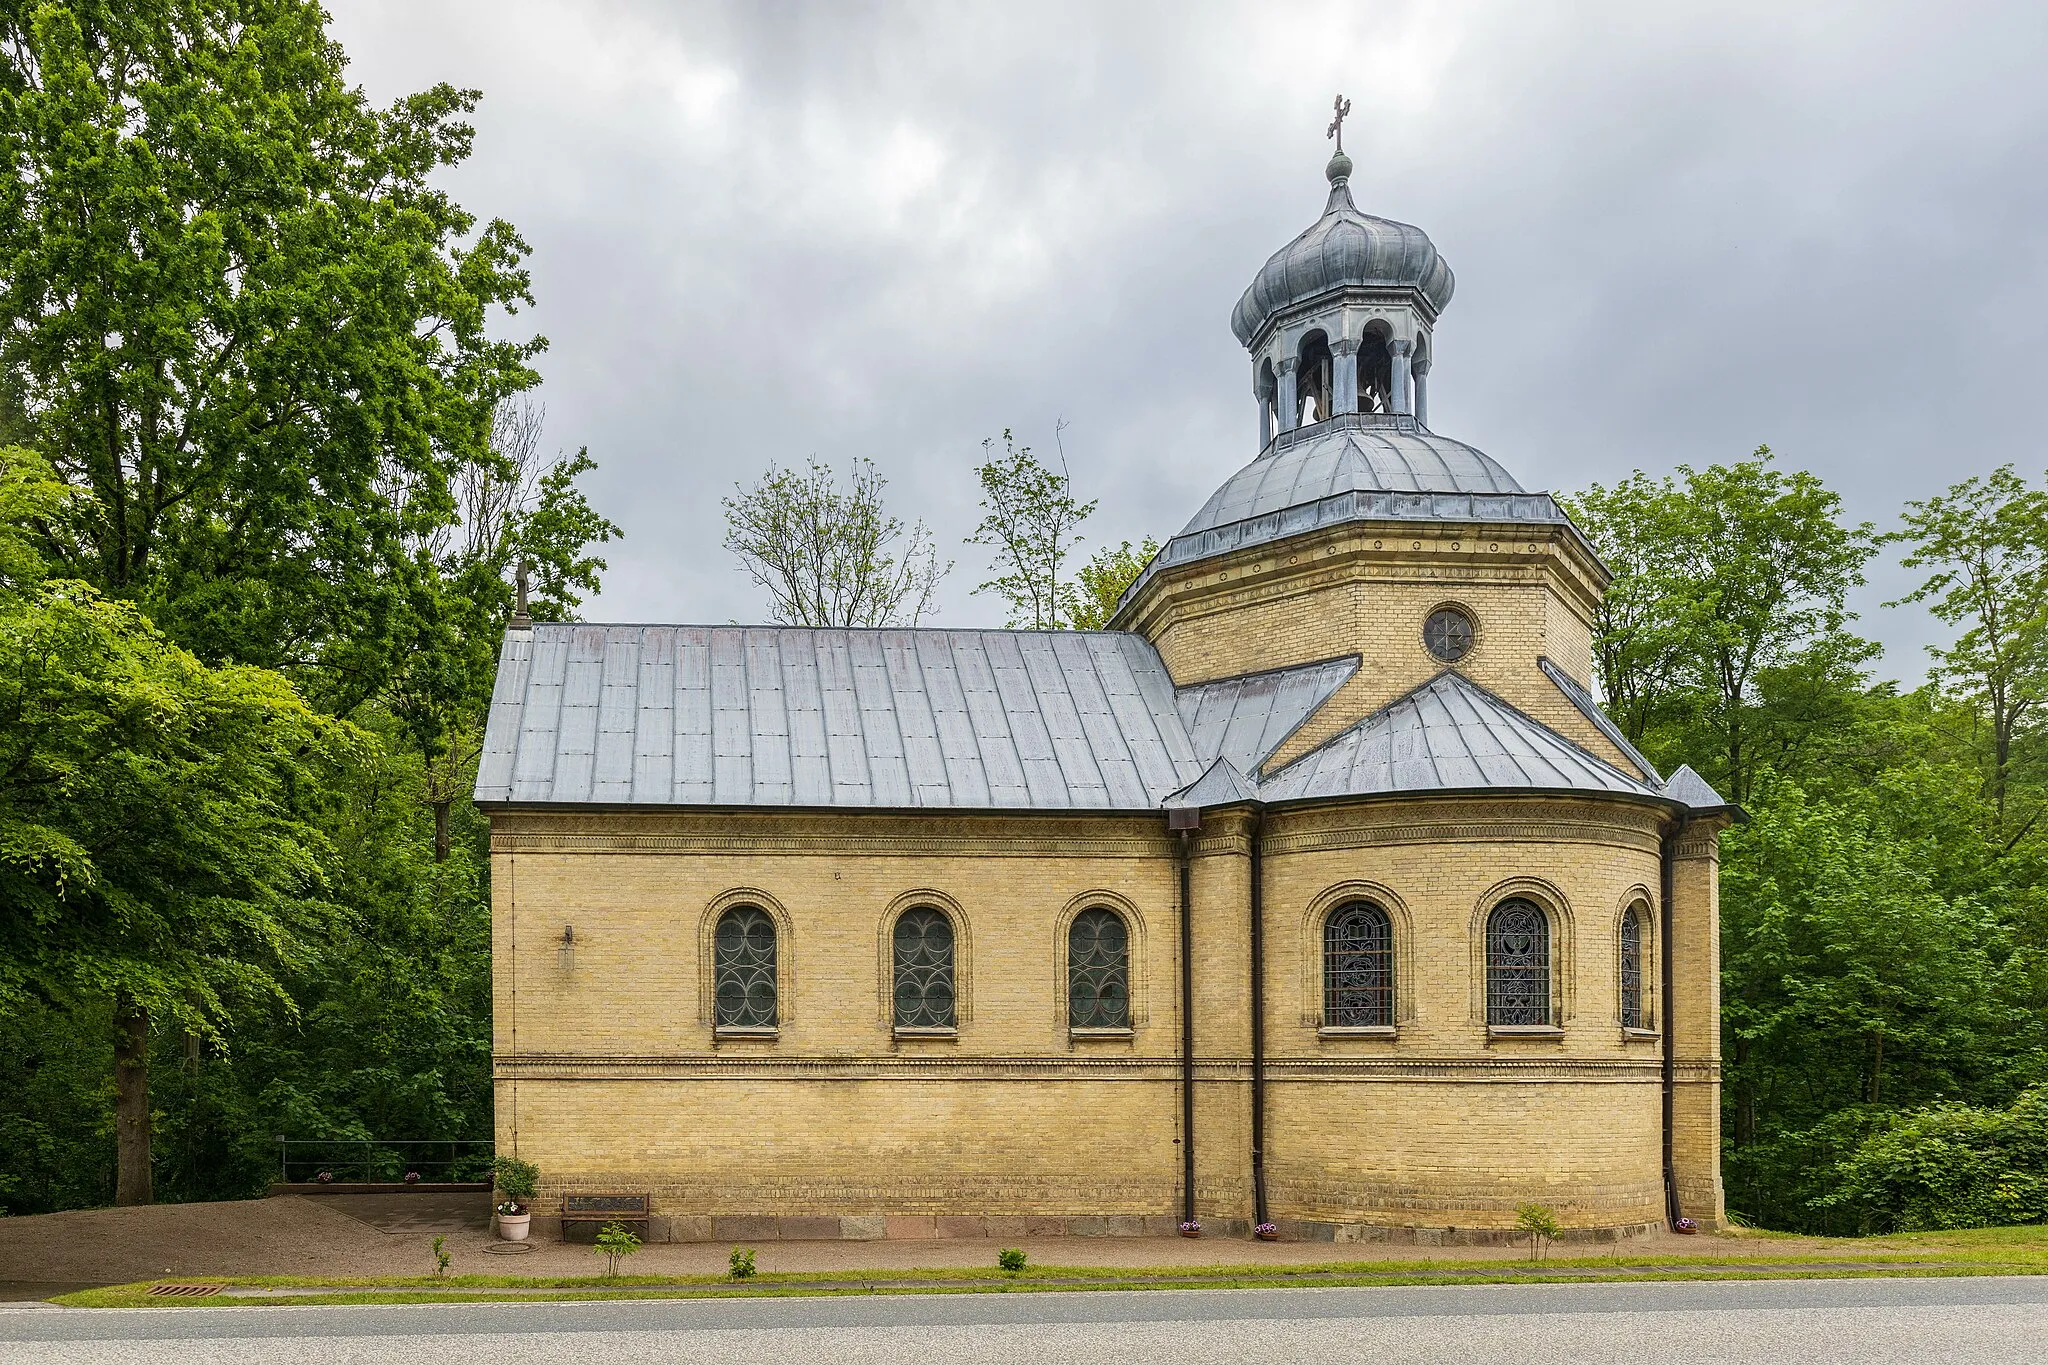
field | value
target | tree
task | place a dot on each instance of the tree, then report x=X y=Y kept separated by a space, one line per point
x=157 y=846
x=1031 y=518
x=1101 y=583
x=1986 y=544
x=831 y=555
x=1729 y=573
x=238 y=312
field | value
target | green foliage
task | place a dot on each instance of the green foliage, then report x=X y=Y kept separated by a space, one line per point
x=1726 y=578
x=517 y=1180
x=1947 y=1166
x=441 y=1256
x=1542 y=1226
x=1011 y=1260
x=615 y=1242
x=1100 y=583
x=1031 y=519
x=740 y=1265
x=830 y=556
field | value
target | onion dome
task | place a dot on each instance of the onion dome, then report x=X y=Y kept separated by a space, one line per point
x=1343 y=249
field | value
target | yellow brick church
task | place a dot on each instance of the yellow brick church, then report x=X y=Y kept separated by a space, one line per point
x=1318 y=892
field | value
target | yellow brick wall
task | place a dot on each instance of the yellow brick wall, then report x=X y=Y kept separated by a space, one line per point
x=610 y=1075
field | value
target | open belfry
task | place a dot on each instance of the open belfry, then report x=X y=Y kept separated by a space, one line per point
x=1317 y=892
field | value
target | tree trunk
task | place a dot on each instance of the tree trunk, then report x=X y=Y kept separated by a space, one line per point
x=440 y=831
x=133 y=1182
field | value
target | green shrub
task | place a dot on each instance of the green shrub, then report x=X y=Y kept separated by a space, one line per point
x=1541 y=1225
x=615 y=1241
x=742 y=1263
x=517 y=1180
x=1949 y=1166
x=1011 y=1259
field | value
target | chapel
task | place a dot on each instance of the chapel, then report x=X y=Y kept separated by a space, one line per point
x=1315 y=896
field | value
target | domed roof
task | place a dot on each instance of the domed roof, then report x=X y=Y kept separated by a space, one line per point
x=1363 y=452
x=1343 y=247
x=1355 y=467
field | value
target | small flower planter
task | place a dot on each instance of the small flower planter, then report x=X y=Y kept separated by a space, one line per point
x=1685 y=1227
x=1266 y=1232
x=1191 y=1229
x=513 y=1227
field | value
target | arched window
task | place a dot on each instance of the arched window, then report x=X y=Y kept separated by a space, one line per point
x=1358 y=967
x=743 y=968
x=1517 y=964
x=924 y=969
x=1375 y=372
x=1632 y=969
x=1313 y=387
x=1098 y=971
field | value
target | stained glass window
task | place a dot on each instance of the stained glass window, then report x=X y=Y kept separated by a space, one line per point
x=1098 y=971
x=1632 y=969
x=1448 y=634
x=924 y=969
x=1517 y=964
x=1358 y=966
x=743 y=968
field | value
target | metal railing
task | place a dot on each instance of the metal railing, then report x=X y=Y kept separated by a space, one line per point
x=383 y=1161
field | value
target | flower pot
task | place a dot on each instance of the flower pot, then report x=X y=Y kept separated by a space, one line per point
x=1191 y=1232
x=512 y=1226
x=1684 y=1231
x=1267 y=1236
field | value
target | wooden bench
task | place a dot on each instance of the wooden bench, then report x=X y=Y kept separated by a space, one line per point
x=595 y=1210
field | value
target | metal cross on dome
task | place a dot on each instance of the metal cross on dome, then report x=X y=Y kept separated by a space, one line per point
x=1343 y=107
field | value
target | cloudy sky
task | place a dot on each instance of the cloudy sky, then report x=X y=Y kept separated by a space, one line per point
x=767 y=231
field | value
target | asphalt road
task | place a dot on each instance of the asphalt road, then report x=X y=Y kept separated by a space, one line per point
x=1812 y=1322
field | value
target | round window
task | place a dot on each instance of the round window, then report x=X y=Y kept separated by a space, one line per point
x=1448 y=634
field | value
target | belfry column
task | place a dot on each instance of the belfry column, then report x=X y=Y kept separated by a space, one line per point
x=1264 y=394
x=1420 y=370
x=1343 y=375
x=1288 y=403
x=1403 y=382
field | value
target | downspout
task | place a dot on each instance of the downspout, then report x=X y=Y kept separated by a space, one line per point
x=1258 y=936
x=1184 y=822
x=1668 y=856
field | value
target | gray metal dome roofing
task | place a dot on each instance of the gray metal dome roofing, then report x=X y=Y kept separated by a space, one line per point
x=1343 y=248
x=1362 y=466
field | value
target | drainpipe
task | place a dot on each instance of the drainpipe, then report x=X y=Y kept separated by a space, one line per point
x=1670 y=1041
x=1258 y=911
x=1184 y=821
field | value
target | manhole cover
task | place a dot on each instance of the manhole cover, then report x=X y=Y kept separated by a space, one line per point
x=183 y=1291
x=508 y=1248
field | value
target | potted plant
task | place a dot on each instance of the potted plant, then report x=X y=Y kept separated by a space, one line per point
x=517 y=1181
x=1191 y=1229
x=1266 y=1232
x=1686 y=1227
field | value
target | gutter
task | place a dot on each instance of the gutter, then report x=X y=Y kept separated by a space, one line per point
x=1666 y=858
x=1183 y=821
x=1258 y=937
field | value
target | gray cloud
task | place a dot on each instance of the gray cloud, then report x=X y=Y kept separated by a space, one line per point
x=765 y=231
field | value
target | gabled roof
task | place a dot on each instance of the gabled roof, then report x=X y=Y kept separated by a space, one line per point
x=1695 y=791
x=1244 y=719
x=1450 y=734
x=1589 y=708
x=775 y=716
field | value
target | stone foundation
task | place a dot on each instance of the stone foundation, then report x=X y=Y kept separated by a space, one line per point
x=930 y=1227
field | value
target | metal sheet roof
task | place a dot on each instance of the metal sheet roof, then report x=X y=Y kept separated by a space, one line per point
x=1589 y=708
x=1450 y=734
x=777 y=716
x=1244 y=719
